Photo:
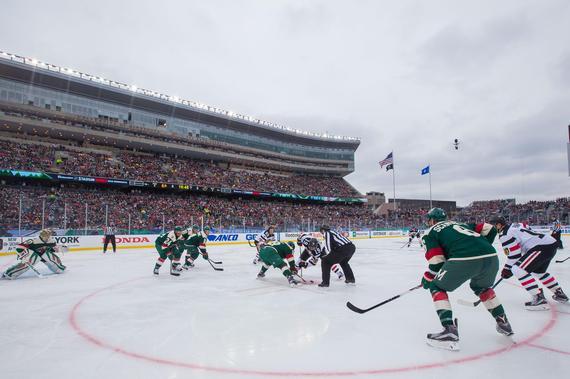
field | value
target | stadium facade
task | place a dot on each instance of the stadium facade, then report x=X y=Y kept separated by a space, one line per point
x=223 y=136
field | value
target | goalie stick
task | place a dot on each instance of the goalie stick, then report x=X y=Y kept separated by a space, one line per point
x=476 y=303
x=563 y=260
x=354 y=308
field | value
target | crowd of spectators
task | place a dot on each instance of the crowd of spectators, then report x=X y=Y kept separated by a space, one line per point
x=532 y=212
x=161 y=168
x=144 y=210
x=67 y=208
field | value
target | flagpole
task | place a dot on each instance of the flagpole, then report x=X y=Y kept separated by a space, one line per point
x=394 y=183
x=430 y=202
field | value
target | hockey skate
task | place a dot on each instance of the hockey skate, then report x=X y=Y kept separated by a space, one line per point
x=155 y=271
x=292 y=281
x=538 y=303
x=340 y=275
x=261 y=275
x=560 y=296
x=324 y=285
x=350 y=282
x=175 y=269
x=188 y=264
x=448 y=339
x=504 y=326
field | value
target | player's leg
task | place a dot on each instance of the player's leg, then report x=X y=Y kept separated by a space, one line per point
x=52 y=261
x=539 y=269
x=338 y=271
x=106 y=243
x=269 y=257
x=19 y=268
x=14 y=271
x=347 y=251
x=162 y=255
x=114 y=243
x=175 y=268
x=191 y=255
x=531 y=261
x=481 y=285
x=451 y=275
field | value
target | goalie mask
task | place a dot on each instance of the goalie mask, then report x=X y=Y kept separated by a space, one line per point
x=46 y=234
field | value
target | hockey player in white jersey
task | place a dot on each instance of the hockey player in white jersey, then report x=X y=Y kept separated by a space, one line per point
x=39 y=249
x=528 y=256
x=312 y=252
x=263 y=239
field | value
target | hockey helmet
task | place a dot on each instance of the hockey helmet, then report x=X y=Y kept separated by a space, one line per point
x=196 y=228
x=325 y=228
x=177 y=228
x=497 y=219
x=437 y=214
x=291 y=245
x=206 y=229
x=313 y=244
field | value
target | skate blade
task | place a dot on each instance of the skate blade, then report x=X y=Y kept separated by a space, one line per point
x=445 y=345
x=537 y=308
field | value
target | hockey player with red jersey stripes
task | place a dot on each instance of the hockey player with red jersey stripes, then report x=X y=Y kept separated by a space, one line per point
x=528 y=256
x=458 y=253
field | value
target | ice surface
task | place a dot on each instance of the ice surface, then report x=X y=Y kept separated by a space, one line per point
x=109 y=317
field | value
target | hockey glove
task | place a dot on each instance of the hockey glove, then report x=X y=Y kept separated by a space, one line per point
x=205 y=255
x=427 y=279
x=303 y=264
x=506 y=273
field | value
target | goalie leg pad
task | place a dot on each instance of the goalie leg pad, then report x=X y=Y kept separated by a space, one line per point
x=53 y=262
x=14 y=271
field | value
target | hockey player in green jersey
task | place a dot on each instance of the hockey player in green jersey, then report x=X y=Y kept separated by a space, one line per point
x=457 y=253
x=41 y=248
x=195 y=244
x=276 y=254
x=167 y=246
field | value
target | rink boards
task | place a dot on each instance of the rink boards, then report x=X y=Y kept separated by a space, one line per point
x=146 y=241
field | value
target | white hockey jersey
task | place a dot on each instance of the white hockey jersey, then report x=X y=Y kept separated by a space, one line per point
x=517 y=240
x=265 y=237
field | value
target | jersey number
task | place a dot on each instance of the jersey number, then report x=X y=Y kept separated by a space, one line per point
x=462 y=230
x=540 y=235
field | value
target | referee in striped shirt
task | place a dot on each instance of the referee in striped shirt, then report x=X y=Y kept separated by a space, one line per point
x=110 y=232
x=336 y=249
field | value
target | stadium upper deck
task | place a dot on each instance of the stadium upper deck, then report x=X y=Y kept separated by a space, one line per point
x=30 y=83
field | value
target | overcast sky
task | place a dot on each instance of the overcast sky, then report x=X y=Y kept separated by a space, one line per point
x=404 y=76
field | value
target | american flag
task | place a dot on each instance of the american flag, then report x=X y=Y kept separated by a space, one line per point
x=389 y=160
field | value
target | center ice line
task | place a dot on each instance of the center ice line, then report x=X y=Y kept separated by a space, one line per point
x=72 y=317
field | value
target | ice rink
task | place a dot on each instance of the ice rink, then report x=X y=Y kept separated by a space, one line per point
x=109 y=317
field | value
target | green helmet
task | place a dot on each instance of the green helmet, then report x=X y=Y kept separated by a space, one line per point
x=206 y=228
x=437 y=214
x=291 y=245
x=195 y=227
x=177 y=228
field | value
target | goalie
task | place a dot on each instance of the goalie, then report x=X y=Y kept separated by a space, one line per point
x=42 y=248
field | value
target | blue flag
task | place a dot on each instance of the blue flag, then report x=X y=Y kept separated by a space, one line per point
x=425 y=170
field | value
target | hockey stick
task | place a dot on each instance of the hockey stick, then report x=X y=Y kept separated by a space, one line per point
x=216 y=262
x=476 y=303
x=354 y=308
x=409 y=242
x=305 y=281
x=563 y=260
x=214 y=267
